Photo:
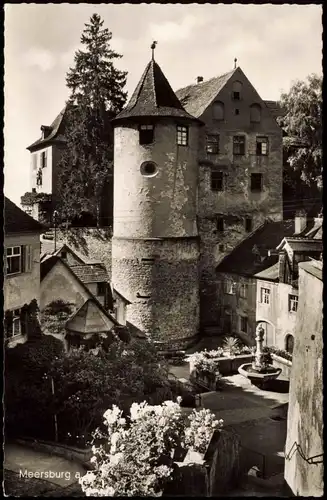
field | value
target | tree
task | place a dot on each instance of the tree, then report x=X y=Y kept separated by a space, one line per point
x=97 y=95
x=303 y=126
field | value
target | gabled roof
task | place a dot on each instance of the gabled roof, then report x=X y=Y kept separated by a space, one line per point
x=91 y=273
x=250 y=256
x=115 y=292
x=313 y=267
x=275 y=108
x=153 y=97
x=196 y=98
x=302 y=244
x=56 y=132
x=90 y=318
x=18 y=221
x=46 y=266
x=48 y=251
x=270 y=274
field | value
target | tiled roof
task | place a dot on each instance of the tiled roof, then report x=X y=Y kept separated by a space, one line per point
x=56 y=132
x=90 y=318
x=18 y=221
x=271 y=273
x=153 y=97
x=245 y=258
x=91 y=273
x=275 y=108
x=312 y=267
x=196 y=98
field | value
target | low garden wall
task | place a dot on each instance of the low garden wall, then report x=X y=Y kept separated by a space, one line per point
x=282 y=363
x=230 y=365
x=82 y=456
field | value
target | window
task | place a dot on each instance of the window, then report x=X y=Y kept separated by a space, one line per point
x=255 y=113
x=212 y=144
x=218 y=110
x=262 y=146
x=244 y=290
x=237 y=111
x=220 y=224
x=101 y=288
x=239 y=145
x=293 y=301
x=230 y=287
x=43 y=159
x=289 y=344
x=248 y=224
x=244 y=324
x=146 y=134
x=236 y=96
x=19 y=259
x=182 y=136
x=15 y=323
x=265 y=295
x=217 y=180
x=237 y=89
x=221 y=247
x=39 y=177
x=256 y=182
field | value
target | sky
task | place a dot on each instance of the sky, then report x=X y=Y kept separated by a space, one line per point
x=274 y=45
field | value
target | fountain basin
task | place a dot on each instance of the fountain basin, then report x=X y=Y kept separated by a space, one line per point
x=257 y=377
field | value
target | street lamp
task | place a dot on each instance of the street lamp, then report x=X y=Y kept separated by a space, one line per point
x=55 y=215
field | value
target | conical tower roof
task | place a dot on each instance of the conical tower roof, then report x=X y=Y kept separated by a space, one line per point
x=153 y=97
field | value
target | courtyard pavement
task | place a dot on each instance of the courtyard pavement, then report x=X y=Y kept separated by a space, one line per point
x=39 y=465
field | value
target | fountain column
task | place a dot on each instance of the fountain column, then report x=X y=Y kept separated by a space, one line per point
x=258 y=363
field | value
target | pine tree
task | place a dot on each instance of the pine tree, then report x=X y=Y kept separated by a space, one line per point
x=97 y=95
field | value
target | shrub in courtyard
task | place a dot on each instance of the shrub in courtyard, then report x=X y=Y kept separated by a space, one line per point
x=202 y=424
x=231 y=345
x=136 y=458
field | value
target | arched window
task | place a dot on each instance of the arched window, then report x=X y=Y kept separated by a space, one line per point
x=289 y=343
x=255 y=113
x=237 y=91
x=218 y=110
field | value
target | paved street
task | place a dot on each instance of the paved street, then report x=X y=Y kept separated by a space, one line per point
x=54 y=469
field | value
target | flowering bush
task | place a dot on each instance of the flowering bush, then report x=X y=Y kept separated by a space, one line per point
x=206 y=361
x=202 y=425
x=135 y=457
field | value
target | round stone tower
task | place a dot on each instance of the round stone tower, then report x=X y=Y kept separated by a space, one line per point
x=155 y=247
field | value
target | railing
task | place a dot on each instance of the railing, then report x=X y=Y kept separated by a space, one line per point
x=314 y=460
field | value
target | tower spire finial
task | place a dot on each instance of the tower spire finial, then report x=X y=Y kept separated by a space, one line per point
x=153 y=46
x=235 y=61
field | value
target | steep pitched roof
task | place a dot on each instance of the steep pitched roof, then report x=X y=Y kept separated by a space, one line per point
x=56 y=132
x=196 y=98
x=46 y=266
x=91 y=273
x=18 y=221
x=153 y=97
x=275 y=108
x=250 y=256
x=90 y=318
x=270 y=274
x=302 y=244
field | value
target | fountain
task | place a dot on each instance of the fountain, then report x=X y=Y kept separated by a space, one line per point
x=260 y=371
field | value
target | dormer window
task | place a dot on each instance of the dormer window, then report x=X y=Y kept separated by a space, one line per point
x=182 y=135
x=146 y=134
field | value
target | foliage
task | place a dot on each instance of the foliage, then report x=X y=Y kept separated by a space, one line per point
x=30 y=198
x=231 y=345
x=303 y=126
x=97 y=95
x=55 y=315
x=279 y=352
x=135 y=458
x=202 y=424
x=86 y=384
x=206 y=361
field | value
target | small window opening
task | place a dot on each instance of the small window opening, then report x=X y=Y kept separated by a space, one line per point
x=146 y=134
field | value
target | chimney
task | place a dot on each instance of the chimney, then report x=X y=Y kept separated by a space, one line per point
x=300 y=221
x=199 y=79
x=281 y=269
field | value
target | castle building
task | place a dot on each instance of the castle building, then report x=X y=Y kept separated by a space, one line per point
x=155 y=246
x=186 y=195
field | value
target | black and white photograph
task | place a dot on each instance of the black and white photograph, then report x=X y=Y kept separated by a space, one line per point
x=163 y=250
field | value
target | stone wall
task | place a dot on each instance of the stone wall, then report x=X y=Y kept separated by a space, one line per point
x=224 y=464
x=282 y=363
x=236 y=201
x=305 y=414
x=160 y=278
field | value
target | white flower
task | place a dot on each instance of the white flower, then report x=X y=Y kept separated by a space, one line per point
x=93 y=460
x=116 y=458
x=179 y=399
